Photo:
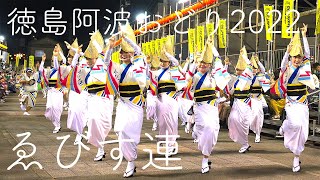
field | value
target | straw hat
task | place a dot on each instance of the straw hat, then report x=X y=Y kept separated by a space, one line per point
x=129 y=33
x=254 y=61
x=296 y=46
x=57 y=49
x=155 y=61
x=97 y=40
x=74 y=45
x=241 y=64
x=96 y=44
x=207 y=55
x=91 y=51
x=167 y=47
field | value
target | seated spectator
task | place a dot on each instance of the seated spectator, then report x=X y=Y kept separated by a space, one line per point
x=12 y=85
x=224 y=109
x=2 y=89
x=276 y=102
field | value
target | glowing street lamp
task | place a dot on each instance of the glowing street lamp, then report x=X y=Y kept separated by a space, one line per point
x=182 y=1
x=141 y=18
x=2 y=38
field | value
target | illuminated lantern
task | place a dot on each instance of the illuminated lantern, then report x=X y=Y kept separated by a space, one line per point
x=153 y=25
x=161 y=21
x=179 y=14
x=149 y=27
x=194 y=7
x=165 y=20
x=197 y=6
x=168 y=17
x=137 y=32
x=184 y=11
x=207 y=2
x=174 y=16
x=189 y=9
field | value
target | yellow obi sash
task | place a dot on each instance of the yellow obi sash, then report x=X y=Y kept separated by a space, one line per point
x=132 y=91
x=256 y=89
x=205 y=94
x=52 y=82
x=166 y=87
x=129 y=89
x=296 y=90
x=241 y=94
x=95 y=88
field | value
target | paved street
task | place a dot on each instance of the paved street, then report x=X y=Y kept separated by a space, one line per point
x=266 y=160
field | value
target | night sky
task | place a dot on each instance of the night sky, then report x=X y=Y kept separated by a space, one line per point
x=66 y=6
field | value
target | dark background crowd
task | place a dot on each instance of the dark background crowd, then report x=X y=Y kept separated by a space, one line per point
x=7 y=83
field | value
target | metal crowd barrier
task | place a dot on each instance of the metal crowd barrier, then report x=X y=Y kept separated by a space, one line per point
x=315 y=94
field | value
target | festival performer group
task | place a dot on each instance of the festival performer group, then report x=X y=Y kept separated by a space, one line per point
x=90 y=81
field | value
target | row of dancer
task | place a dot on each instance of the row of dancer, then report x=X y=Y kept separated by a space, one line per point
x=94 y=81
x=295 y=78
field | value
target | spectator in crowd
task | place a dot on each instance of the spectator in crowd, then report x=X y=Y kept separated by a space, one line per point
x=2 y=89
x=276 y=103
x=315 y=74
x=316 y=69
x=312 y=98
x=11 y=85
x=224 y=109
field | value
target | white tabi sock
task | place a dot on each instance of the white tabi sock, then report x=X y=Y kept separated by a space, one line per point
x=295 y=161
x=204 y=162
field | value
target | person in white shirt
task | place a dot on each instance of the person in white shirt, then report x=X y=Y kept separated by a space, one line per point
x=316 y=80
